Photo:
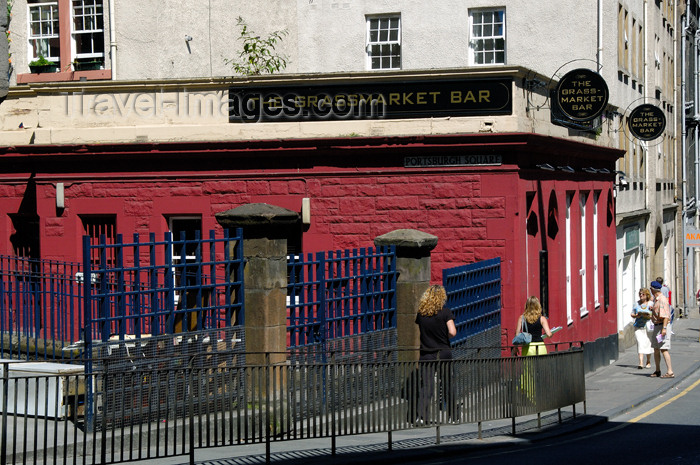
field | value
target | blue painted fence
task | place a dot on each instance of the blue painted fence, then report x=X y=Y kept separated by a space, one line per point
x=147 y=289
x=474 y=295
x=341 y=294
x=40 y=308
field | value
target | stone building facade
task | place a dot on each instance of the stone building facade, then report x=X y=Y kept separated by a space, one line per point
x=148 y=141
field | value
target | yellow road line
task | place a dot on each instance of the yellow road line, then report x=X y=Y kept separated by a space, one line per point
x=673 y=399
x=598 y=433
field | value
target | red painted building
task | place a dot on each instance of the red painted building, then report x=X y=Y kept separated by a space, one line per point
x=511 y=196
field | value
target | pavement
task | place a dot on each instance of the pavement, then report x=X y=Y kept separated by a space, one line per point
x=611 y=391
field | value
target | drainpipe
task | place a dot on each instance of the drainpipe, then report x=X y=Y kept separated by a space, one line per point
x=684 y=169
x=684 y=193
x=650 y=171
x=600 y=36
x=696 y=139
x=696 y=110
x=112 y=40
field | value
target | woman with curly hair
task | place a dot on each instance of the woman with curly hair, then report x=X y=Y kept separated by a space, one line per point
x=437 y=326
x=536 y=323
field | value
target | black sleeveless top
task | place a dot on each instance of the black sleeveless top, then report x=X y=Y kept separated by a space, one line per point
x=535 y=329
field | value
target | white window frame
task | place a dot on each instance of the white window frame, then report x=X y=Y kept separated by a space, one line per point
x=596 y=289
x=569 y=200
x=94 y=14
x=381 y=43
x=177 y=259
x=484 y=37
x=583 y=198
x=53 y=21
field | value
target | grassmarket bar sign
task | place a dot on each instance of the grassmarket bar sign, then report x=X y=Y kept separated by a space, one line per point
x=581 y=95
x=397 y=100
x=647 y=122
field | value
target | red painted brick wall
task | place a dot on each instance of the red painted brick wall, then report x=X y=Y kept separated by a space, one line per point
x=477 y=213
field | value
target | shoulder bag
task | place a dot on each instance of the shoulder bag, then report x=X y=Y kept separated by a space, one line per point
x=523 y=338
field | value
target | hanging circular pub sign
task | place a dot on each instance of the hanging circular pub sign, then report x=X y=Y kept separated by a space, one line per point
x=582 y=94
x=647 y=122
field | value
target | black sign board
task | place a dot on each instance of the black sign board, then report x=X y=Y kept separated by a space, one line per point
x=582 y=95
x=647 y=122
x=414 y=99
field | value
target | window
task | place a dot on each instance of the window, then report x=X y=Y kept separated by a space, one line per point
x=384 y=42
x=569 y=313
x=583 y=197
x=43 y=31
x=70 y=33
x=185 y=230
x=596 y=300
x=487 y=45
x=102 y=229
x=88 y=33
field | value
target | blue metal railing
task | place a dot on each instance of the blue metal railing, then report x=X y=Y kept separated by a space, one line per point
x=162 y=287
x=474 y=295
x=338 y=294
x=159 y=298
x=40 y=308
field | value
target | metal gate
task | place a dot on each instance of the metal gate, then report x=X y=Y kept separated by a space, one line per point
x=178 y=301
x=342 y=300
x=474 y=295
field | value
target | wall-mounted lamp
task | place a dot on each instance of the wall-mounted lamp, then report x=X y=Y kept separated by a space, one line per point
x=603 y=171
x=622 y=178
x=566 y=168
x=188 y=38
x=590 y=170
x=60 y=198
x=545 y=166
x=306 y=211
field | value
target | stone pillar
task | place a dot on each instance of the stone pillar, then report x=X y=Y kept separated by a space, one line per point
x=265 y=231
x=413 y=265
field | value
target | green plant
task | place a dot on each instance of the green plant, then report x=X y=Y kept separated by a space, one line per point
x=41 y=61
x=259 y=55
x=7 y=32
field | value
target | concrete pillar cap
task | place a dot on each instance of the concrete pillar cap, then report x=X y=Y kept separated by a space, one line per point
x=256 y=214
x=407 y=239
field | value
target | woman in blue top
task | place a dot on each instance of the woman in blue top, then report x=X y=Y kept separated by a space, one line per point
x=641 y=314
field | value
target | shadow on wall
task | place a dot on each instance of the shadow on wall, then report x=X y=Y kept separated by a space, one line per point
x=25 y=238
x=601 y=352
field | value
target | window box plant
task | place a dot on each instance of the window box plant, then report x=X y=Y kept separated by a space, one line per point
x=42 y=65
x=87 y=65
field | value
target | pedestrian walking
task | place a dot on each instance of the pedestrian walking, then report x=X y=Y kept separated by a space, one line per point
x=661 y=341
x=665 y=290
x=535 y=323
x=642 y=327
x=437 y=327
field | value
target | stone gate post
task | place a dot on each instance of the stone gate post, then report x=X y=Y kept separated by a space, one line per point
x=265 y=231
x=413 y=249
